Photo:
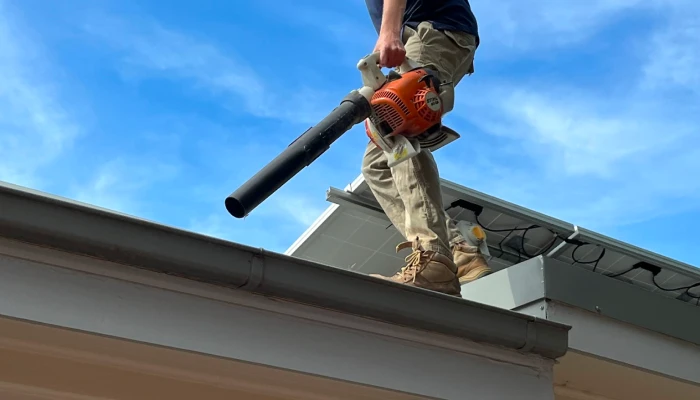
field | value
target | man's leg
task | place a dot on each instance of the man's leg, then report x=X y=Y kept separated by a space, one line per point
x=453 y=233
x=471 y=264
x=452 y=55
x=379 y=178
x=425 y=267
x=416 y=181
x=375 y=169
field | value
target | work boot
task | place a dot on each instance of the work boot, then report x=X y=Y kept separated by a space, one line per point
x=471 y=264
x=426 y=269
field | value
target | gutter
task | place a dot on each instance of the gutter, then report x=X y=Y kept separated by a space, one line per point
x=66 y=225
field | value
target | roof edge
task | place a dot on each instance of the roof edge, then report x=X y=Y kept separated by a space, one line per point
x=620 y=300
x=65 y=225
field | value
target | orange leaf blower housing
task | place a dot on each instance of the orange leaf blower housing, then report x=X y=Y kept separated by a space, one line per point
x=407 y=105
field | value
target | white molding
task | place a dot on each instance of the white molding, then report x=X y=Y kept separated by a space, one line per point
x=46 y=344
x=574 y=394
x=243 y=382
x=14 y=391
x=624 y=343
x=246 y=379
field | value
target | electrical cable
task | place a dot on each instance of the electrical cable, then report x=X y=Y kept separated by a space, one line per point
x=522 y=250
x=697 y=298
x=578 y=244
x=630 y=269
x=594 y=262
x=545 y=248
x=692 y=296
x=500 y=245
x=686 y=288
x=524 y=231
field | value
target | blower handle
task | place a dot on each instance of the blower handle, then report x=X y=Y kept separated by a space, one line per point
x=372 y=75
x=371 y=72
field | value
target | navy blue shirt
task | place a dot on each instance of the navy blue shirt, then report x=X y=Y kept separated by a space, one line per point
x=453 y=15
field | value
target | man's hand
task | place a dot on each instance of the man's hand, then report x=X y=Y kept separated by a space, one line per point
x=390 y=45
x=391 y=51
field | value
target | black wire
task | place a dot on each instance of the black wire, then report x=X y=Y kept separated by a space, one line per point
x=544 y=249
x=506 y=236
x=697 y=298
x=500 y=244
x=594 y=262
x=686 y=288
x=511 y=230
x=623 y=272
x=522 y=250
x=525 y=230
x=578 y=243
x=687 y=292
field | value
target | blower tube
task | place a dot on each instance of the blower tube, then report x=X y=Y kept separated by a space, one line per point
x=353 y=109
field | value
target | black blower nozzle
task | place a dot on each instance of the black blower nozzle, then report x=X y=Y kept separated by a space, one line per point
x=300 y=153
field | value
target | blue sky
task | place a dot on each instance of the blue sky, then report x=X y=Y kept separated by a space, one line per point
x=588 y=111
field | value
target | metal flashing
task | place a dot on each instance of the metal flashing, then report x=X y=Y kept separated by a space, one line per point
x=544 y=279
x=617 y=299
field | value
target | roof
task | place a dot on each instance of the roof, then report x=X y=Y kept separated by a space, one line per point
x=66 y=225
x=354 y=234
x=564 y=263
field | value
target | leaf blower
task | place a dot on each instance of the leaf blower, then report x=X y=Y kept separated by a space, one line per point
x=402 y=112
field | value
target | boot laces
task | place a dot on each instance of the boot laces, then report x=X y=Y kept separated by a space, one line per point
x=415 y=262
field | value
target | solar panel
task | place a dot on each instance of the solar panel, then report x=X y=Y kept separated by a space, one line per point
x=354 y=234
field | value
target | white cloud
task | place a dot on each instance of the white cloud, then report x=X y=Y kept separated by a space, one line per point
x=35 y=128
x=673 y=57
x=596 y=155
x=276 y=223
x=149 y=47
x=543 y=25
x=300 y=208
x=572 y=130
x=346 y=25
x=215 y=225
x=119 y=184
x=595 y=161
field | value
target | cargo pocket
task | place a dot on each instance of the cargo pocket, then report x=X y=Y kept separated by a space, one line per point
x=466 y=45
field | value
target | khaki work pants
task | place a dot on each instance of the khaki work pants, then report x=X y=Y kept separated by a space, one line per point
x=410 y=192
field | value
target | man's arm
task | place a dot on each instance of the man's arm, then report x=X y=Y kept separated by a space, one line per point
x=392 y=18
x=390 y=44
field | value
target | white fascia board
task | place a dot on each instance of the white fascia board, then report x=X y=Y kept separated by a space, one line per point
x=607 y=317
x=628 y=344
x=76 y=292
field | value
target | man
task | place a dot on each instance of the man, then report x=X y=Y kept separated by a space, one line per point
x=441 y=35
